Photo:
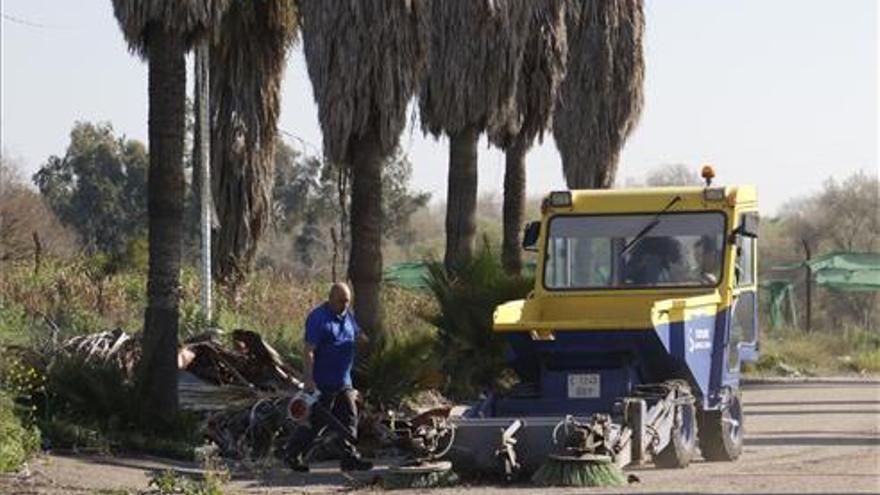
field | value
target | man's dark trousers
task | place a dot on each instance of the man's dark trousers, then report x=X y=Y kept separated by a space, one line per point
x=339 y=402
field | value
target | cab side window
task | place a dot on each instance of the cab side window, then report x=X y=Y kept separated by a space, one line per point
x=745 y=262
x=742 y=328
x=746 y=237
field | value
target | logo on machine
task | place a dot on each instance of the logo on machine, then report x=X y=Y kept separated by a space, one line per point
x=699 y=339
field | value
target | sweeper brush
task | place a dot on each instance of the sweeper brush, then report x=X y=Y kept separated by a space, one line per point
x=426 y=438
x=420 y=475
x=643 y=310
x=582 y=470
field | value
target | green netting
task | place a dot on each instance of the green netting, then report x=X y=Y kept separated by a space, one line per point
x=412 y=275
x=843 y=271
x=864 y=280
x=781 y=297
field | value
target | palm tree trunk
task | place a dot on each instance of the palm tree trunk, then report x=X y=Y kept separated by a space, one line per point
x=461 y=198
x=514 y=205
x=365 y=260
x=157 y=387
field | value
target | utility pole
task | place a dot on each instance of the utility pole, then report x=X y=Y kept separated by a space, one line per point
x=204 y=155
x=809 y=284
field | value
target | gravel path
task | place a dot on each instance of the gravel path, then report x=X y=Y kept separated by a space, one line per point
x=801 y=437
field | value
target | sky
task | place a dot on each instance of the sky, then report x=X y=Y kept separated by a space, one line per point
x=778 y=93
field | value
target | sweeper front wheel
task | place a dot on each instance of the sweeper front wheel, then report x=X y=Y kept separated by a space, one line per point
x=682 y=445
x=721 y=432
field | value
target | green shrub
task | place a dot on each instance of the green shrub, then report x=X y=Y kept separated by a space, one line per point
x=91 y=391
x=17 y=441
x=471 y=355
x=398 y=365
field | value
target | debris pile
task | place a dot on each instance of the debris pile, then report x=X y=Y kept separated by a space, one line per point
x=242 y=389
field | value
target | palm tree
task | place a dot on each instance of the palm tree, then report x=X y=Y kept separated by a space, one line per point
x=161 y=31
x=474 y=58
x=248 y=57
x=543 y=68
x=600 y=99
x=364 y=58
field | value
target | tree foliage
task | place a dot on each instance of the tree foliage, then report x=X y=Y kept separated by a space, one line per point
x=28 y=228
x=98 y=187
x=311 y=198
x=673 y=174
x=841 y=217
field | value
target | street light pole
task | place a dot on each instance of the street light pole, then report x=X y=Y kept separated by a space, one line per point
x=204 y=167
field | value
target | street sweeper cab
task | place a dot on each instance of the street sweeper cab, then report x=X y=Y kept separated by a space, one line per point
x=631 y=344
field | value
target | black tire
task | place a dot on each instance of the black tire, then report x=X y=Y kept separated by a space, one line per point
x=721 y=432
x=683 y=445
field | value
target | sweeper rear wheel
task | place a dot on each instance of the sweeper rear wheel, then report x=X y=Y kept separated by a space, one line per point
x=683 y=444
x=721 y=432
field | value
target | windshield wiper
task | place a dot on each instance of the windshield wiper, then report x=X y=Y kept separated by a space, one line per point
x=647 y=228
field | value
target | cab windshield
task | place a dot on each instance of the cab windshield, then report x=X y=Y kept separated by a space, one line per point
x=607 y=251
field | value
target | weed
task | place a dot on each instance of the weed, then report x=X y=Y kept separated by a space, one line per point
x=17 y=441
x=215 y=476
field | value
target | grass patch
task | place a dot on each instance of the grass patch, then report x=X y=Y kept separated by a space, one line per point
x=17 y=441
x=794 y=352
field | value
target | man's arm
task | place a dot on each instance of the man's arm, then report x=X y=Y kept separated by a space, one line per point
x=309 y=366
x=311 y=339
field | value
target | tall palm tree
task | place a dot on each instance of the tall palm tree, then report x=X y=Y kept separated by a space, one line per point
x=600 y=99
x=543 y=68
x=365 y=58
x=161 y=31
x=474 y=57
x=248 y=57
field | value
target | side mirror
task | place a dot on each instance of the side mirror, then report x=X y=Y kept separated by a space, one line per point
x=530 y=236
x=748 y=226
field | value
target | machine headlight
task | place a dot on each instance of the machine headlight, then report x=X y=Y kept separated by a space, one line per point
x=560 y=199
x=713 y=193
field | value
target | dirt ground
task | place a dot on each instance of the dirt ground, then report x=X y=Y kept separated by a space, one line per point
x=814 y=437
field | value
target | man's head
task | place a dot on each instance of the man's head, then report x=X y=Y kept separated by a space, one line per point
x=339 y=298
x=707 y=254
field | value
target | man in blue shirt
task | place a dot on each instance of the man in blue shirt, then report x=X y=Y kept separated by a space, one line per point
x=329 y=348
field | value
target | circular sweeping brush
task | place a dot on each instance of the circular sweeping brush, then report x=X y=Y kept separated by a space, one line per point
x=579 y=470
x=420 y=475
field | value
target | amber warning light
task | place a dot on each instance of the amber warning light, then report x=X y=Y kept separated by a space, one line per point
x=708 y=173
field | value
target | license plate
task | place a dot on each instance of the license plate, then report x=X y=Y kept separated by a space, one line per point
x=583 y=386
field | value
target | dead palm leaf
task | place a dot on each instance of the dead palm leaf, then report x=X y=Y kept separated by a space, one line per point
x=600 y=99
x=248 y=56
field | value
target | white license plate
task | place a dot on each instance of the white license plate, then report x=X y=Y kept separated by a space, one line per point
x=583 y=386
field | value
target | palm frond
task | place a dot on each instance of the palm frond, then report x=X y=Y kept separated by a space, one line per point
x=543 y=66
x=188 y=19
x=399 y=365
x=364 y=59
x=248 y=57
x=471 y=354
x=474 y=59
x=601 y=97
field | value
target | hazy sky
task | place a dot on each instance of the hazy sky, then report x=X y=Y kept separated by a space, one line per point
x=779 y=93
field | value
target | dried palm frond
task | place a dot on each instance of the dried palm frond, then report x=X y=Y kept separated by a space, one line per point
x=543 y=67
x=475 y=52
x=365 y=59
x=188 y=19
x=248 y=56
x=601 y=97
